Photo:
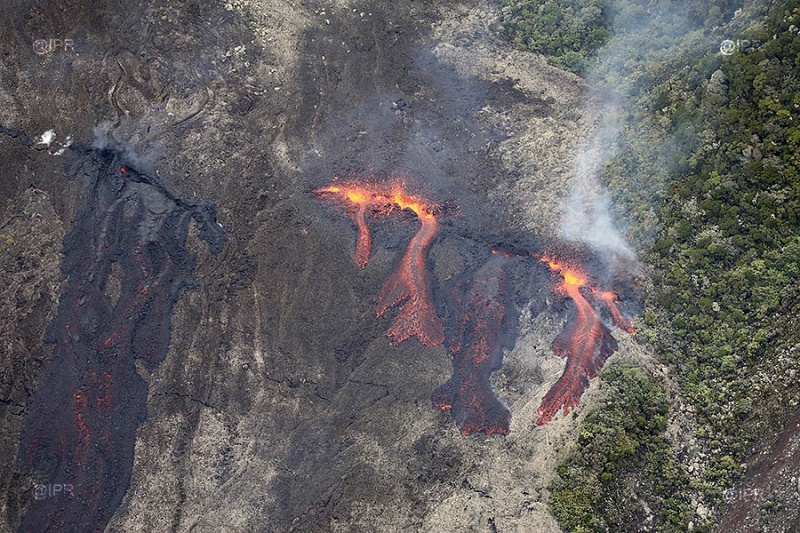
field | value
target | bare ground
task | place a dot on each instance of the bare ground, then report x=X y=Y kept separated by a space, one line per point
x=280 y=405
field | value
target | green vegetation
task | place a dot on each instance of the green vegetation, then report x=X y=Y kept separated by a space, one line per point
x=623 y=462
x=569 y=32
x=727 y=256
x=715 y=140
x=565 y=31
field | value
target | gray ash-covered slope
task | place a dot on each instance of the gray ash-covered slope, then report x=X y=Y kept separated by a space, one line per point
x=279 y=403
x=81 y=425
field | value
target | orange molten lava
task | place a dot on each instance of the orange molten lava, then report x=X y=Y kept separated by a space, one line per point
x=610 y=298
x=585 y=342
x=362 y=199
x=408 y=286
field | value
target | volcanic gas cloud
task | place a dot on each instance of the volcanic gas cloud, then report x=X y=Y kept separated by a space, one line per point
x=408 y=286
x=477 y=351
x=585 y=342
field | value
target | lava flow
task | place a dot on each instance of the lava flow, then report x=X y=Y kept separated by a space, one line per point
x=362 y=199
x=585 y=342
x=477 y=351
x=610 y=298
x=80 y=431
x=407 y=287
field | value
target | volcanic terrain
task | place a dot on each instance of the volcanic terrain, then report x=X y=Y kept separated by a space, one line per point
x=277 y=268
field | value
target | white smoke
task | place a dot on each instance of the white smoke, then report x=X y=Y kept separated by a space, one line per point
x=587 y=210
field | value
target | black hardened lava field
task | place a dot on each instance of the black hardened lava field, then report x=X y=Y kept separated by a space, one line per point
x=125 y=262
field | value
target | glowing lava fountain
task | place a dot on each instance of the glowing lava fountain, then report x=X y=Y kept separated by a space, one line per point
x=585 y=342
x=407 y=287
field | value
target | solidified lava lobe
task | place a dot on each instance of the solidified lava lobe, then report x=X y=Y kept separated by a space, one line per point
x=476 y=349
x=610 y=298
x=585 y=342
x=408 y=286
x=80 y=430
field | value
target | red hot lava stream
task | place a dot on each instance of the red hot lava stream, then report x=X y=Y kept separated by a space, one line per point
x=585 y=342
x=362 y=199
x=610 y=298
x=407 y=287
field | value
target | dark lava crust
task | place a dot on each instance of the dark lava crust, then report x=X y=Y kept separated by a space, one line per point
x=80 y=430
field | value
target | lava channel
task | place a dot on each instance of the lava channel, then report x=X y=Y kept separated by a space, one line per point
x=610 y=298
x=362 y=199
x=408 y=286
x=585 y=342
x=477 y=351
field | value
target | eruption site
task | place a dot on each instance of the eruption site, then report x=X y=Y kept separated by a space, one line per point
x=585 y=341
x=476 y=340
x=408 y=286
x=477 y=350
x=81 y=427
x=360 y=199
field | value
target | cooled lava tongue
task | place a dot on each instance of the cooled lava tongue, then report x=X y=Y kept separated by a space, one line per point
x=407 y=287
x=585 y=342
x=477 y=351
x=77 y=442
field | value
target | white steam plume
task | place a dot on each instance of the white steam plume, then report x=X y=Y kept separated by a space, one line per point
x=638 y=34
